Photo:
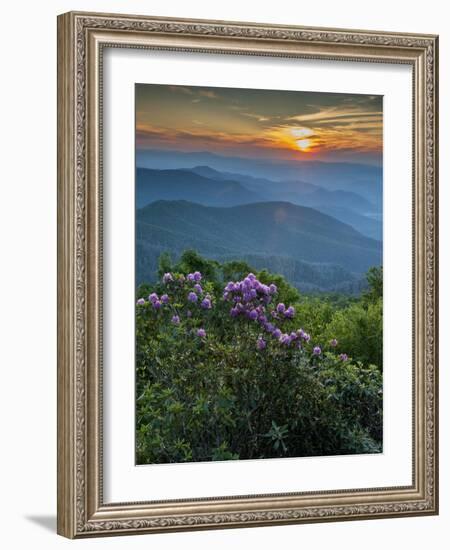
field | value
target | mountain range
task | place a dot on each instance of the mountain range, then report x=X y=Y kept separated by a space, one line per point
x=211 y=187
x=187 y=185
x=364 y=179
x=318 y=224
x=280 y=236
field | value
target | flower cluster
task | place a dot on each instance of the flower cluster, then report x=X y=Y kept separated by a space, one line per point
x=197 y=277
x=156 y=301
x=249 y=299
x=195 y=293
x=254 y=300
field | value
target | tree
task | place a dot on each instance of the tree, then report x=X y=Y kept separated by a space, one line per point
x=374 y=278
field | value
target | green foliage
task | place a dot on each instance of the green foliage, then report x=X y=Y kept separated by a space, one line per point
x=286 y=293
x=359 y=329
x=219 y=397
x=235 y=270
x=192 y=261
x=164 y=264
x=357 y=324
x=375 y=281
x=315 y=314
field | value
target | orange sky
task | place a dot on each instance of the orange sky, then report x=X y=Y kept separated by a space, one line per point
x=260 y=123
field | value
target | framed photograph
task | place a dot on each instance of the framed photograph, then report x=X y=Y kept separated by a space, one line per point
x=247 y=274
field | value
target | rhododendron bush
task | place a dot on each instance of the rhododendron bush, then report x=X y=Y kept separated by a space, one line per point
x=230 y=369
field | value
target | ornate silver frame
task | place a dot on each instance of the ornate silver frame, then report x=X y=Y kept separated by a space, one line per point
x=81 y=39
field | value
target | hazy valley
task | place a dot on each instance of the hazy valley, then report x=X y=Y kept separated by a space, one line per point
x=322 y=235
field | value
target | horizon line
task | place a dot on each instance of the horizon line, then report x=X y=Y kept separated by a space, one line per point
x=257 y=159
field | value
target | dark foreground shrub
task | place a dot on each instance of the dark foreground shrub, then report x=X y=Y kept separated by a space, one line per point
x=228 y=374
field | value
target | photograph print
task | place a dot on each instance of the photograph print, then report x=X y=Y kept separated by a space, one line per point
x=259 y=274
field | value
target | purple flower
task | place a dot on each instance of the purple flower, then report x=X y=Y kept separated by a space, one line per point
x=192 y=297
x=273 y=289
x=206 y=303
x=229 y=287
x=276 y=333
x=167 y=278
x=253 y=293
x=165 y=299
x=261 y=343
x=306 y=337
x=175 y=320
x=153 y=297
x=201 y=333
x=343 y=357
x=290 y=312
x=253 y=315
x=333 y=343
x=285 y=339
x=317 y=350
x=190 y=277
x=281 y=308
x=197 y=276
x=140 y=302
x=157 y=304
x=198 y=288
x=269 y=327
x=293 y=336
x=247 y=283
x=234 y=312
x=251 y=276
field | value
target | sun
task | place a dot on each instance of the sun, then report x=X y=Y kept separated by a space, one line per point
x=304 y=144
x=298 y=139
x=303 y=138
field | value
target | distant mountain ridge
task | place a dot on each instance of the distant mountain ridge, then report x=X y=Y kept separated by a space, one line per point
x=364 y=179
x=310 y=194
x=211 y=187
x=255 y=184
x=258 y=167
x=277 y=234
x=182 y=184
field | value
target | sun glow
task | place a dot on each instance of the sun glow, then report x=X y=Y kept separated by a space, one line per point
x=301 y=132
x=306 y=141
x=304 y=144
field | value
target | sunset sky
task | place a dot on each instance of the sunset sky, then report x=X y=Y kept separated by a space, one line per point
x=270 y=124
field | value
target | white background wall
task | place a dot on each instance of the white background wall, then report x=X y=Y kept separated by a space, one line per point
x=28 y=272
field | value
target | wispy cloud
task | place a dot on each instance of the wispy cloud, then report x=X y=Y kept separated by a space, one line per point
x=181 y=89
x=260 y=122
x=259 y=118
x=209 y=94
x=287 y=141
x=334 y=114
